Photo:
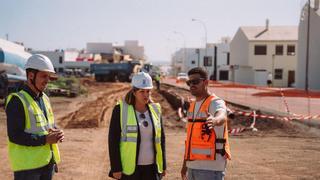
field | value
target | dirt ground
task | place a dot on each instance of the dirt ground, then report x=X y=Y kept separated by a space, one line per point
x=278 y=150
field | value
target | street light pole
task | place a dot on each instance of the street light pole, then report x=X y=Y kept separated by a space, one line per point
x=184 y=46
x=307 y=58
x=272 y=69
x=205 y=31
x=307 y=49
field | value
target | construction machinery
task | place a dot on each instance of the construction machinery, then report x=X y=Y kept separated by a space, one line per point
x=12 y=73
x=110 y=72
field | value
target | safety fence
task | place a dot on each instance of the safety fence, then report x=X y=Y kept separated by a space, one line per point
x=271 y=99
x=254 y=115
x=293 y=104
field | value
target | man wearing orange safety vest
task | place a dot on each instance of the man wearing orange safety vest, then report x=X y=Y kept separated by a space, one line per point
x=206 y=146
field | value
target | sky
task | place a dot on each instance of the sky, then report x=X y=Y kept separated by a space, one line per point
x=161 y=26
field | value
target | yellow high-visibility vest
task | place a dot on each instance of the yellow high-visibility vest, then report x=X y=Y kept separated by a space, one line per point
x=31 y=157
x=129 y=135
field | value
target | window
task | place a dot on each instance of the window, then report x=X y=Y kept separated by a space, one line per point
x=291 y=50
x=207 y=60
x=228 y=58
x=279 y=49
x=223 y=75
x=60 y=59
x=193 y=62
x=260 y=50
x=278 y=73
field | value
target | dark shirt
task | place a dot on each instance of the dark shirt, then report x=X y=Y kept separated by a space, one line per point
x=114 y=142
x=16 y=121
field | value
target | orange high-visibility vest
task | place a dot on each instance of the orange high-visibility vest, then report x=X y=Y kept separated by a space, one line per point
x=201 y=142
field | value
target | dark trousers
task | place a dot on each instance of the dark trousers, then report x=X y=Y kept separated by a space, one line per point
x=43 y=173
x=143 y=172
x=158 y=85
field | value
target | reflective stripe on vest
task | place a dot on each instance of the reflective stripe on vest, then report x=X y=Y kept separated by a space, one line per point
x=200 y=145
x=31 y=157
x=129 y=135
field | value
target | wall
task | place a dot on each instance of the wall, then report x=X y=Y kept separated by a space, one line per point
x=191 y=56
x=133 y=48
x=96 y=47
x=314 y=51
x=239 y=49
x=264 y=62
x=242 y=74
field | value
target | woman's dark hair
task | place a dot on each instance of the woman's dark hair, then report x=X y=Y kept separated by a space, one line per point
x=198 y=70
x=131 y=99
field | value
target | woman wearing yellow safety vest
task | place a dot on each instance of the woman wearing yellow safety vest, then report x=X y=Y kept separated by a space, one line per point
x=136 y=136
x=33 y=136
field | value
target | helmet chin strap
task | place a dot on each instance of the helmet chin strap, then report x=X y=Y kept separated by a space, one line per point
x=33 y=81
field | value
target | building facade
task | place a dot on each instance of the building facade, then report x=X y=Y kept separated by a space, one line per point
x=214 y=59
x=314 y=48
x=66 y=60
x=257 y=51
x=73 y=60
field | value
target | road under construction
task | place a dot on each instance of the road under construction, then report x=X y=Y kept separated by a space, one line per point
x=265 y=148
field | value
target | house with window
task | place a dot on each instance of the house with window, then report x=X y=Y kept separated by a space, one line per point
x=257 y=51
x=313 y=49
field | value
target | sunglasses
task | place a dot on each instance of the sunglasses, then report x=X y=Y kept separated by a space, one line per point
x=144 y=123
x=194 y=81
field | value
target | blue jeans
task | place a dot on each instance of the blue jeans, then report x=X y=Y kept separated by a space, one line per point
x=199 y=174
x=43 y=173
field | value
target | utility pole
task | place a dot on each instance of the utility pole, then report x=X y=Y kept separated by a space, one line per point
x=184 y=47
x=205 y=31
x=198 y=52
x=307 y=49
x=307 y=58
x=215 y=63
x=272 y=69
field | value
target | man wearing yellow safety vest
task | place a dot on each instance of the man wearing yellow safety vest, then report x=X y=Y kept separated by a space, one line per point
x=207 y=146
x=157 y=78
x=136 y=135
x=33 y=136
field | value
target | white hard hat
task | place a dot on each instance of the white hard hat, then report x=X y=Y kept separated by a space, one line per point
x=40 y=62
x=142 y=80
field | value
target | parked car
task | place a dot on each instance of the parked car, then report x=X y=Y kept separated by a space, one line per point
x=182 y=77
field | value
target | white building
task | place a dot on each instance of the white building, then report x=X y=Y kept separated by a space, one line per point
x=131 y=48
x=257 y=51
x=99 y=47
x=314 y=48
x=134 y=49
x=215 y=56
x=64 y=60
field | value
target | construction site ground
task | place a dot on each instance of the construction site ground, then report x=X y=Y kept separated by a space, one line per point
x=278 y=150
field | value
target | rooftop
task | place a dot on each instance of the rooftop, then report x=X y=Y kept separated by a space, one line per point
x=272 y=33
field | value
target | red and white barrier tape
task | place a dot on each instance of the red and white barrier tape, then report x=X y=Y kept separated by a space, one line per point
x=301 y=117
x=262 y=116
x=284 y=101
x=295 y=116
x=236 y=130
